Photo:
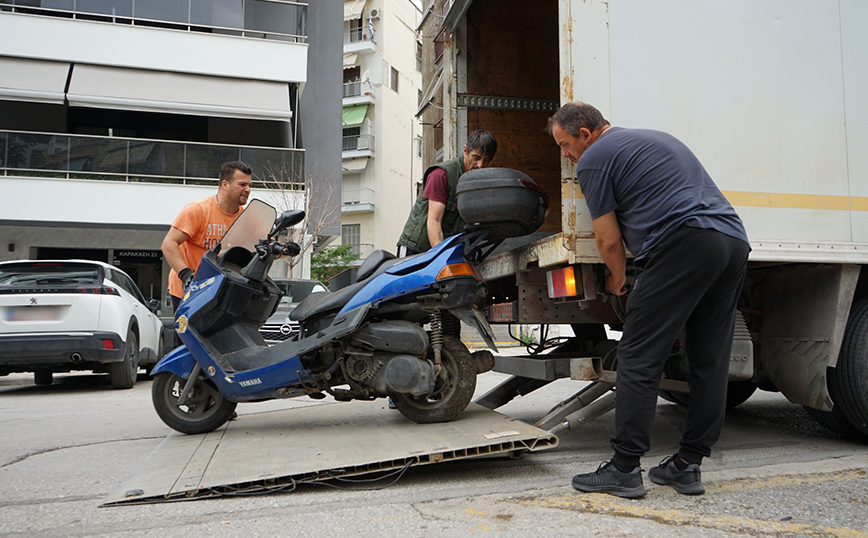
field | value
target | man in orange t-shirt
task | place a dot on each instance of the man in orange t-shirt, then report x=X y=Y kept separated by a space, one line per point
x=201 y=225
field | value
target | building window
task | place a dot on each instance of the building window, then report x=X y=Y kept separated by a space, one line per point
x=394 y=79
x=418 y=56
x=419 y=99
x=351 y=234
x=438 y=135
x=419 y=146
x=351 y=138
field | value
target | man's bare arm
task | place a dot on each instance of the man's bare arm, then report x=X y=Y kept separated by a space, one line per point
x=436 y=210
x=171 y=248
x=611 y=246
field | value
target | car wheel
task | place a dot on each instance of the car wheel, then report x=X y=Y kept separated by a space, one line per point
x=43 y=377
x=122 y=375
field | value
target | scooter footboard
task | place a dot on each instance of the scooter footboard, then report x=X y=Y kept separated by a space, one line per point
x=179 y=361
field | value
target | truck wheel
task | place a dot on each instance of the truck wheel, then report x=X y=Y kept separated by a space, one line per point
x=205 y=410
x=43 y=377
x=848 y=381
x=453 y=388
x=833 y=420
x=122 y=375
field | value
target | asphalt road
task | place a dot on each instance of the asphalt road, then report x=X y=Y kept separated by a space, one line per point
x=775 y=472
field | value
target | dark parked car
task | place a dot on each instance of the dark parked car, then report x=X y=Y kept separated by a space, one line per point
x=279 y=327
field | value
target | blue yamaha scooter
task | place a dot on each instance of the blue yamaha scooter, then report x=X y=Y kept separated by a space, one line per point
x=362 y=342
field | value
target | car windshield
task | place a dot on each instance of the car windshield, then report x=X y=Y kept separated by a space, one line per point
x=254 y=224
x=297 y=291
x=51 y=273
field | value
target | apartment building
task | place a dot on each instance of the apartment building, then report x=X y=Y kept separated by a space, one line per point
x=382 y=139
x=114 y=114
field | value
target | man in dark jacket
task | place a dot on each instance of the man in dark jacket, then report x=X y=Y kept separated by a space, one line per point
x=434 y=216
x=648 y=190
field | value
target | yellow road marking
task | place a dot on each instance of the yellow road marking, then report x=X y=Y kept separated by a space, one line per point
x=613 y=506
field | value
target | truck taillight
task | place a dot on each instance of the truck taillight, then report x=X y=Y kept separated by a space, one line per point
x=562 y=282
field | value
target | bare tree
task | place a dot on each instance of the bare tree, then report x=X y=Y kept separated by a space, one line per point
x=319 y=198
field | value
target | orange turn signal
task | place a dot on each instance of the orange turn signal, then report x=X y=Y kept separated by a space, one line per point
x=456 y=269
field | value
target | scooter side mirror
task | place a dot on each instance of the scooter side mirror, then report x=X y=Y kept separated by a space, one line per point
x=287 y=219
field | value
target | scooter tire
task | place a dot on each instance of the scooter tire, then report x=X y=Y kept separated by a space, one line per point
x=452 y=392
x=205 y=410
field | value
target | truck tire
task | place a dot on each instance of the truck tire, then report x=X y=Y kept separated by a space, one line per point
x=848 y=381
x=122 y=375
x=834 y=421
x=452 y=390
x=206 y=408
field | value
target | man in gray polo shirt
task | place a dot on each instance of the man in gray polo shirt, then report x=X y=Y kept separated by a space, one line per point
x=648 y=190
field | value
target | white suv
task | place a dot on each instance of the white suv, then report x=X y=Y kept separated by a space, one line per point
x=64 y=315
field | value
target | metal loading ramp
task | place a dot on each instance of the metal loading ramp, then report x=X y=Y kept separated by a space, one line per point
x=269 y=450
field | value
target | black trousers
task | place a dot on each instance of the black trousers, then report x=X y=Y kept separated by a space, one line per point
x=690 y=282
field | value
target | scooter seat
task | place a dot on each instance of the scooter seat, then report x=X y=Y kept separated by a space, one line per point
x=318 y=304
x=324 y=301
x=372 y=263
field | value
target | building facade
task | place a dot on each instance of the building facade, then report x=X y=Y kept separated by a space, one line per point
x=382 y=139
x=115 y=114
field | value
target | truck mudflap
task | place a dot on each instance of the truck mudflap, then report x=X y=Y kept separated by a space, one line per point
x=179 y=361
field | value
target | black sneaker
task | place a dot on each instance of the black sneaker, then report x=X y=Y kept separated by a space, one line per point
x=688 y=481
x=608 y=479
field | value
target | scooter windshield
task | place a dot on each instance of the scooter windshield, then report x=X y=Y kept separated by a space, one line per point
x=254 y=224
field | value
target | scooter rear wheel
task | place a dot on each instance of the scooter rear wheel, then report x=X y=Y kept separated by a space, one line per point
x=205 y=409
x=452 y=390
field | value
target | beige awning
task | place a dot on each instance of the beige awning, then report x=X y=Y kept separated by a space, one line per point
x=354 y=165
x=39 y=81
x=353 y=9
x=351 y=60
x=178 y=93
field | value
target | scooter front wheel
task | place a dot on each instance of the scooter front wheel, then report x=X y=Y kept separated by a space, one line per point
x=205 y=409
x=453 y=388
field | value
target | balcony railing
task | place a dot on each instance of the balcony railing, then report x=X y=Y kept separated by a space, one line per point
x=360 y=196
x=142 y=160
x=356 y=35
x=282 y=20
x=358 y=142
x=352 y=89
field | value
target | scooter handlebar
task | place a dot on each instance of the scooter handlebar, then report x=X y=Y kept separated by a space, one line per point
x=289 y=248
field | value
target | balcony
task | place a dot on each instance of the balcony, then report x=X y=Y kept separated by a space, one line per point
x=357 y=200
x=134 y=160
x=203 y=37
x=358 y=146
x=356 y=93
x=358 y=40
x=281 y=20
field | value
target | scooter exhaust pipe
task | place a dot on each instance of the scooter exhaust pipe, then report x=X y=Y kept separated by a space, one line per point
x=76 y=357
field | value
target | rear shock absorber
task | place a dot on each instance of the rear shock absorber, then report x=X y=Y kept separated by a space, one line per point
x=436 y=338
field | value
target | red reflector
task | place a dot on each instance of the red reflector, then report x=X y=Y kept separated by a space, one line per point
x=561 y=282
x=108 y=344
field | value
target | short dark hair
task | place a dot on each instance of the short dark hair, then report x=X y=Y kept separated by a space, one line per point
x=227 y=170
x=573 y=116
x=483 y=141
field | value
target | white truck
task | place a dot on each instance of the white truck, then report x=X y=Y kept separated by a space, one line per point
x=773 y=99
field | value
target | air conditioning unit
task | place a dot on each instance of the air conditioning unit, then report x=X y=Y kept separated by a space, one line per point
x=375 y=14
